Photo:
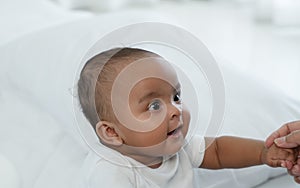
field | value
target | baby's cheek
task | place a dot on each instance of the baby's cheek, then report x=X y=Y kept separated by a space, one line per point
x=186 y=121
x=144 y=116
x=185 y=127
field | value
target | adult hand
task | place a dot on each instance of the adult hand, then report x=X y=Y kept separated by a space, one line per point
x=287 y=136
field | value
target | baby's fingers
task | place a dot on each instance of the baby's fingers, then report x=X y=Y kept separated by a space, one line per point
x=297 y=179
x=277 y=163
x=287 y=155
x=287 y=164
x=295 y=170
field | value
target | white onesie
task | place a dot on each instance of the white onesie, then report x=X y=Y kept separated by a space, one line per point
x=177 y=171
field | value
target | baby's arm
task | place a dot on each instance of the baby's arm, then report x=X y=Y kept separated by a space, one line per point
x=235 y=152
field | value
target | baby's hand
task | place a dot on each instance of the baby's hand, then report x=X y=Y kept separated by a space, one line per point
x=279 y=157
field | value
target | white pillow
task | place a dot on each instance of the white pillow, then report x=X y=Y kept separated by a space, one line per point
x=42 y=67
x=8 y=174
x=18 y=17
x=30 y=139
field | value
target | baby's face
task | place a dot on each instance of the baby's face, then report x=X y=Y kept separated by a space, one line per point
x=152 y=114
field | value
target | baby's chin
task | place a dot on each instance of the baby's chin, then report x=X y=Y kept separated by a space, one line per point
x=170 y=146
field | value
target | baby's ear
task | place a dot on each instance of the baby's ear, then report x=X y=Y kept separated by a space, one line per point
x=106 y=132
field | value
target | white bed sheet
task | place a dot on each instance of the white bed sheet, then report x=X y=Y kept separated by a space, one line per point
x=285 y=181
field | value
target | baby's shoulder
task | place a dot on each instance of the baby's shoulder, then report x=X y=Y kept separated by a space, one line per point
x=106 y=173
x=112 y=167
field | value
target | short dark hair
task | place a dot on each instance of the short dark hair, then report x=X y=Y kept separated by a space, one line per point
x=97 y=77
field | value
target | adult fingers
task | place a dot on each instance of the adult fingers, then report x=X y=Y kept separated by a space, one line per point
x=292 y=140
x=282 y=131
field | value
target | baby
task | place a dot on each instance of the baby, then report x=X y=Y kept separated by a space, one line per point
x=132 y=99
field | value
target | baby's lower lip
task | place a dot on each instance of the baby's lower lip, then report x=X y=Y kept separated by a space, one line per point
x=176 y=132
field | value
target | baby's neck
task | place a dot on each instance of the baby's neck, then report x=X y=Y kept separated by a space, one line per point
x=151 y=162
x=155 y=165
x=141 y=157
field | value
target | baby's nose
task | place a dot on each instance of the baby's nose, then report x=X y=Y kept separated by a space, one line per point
x=175 y=111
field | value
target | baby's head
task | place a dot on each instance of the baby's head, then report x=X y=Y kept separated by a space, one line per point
x=132 y=99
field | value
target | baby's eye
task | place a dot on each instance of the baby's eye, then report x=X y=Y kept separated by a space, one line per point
x=155 y=105
x=177 y=97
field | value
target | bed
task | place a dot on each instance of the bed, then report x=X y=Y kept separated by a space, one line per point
x=40 y=40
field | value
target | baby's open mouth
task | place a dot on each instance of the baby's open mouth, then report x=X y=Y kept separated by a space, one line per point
x=175 y=131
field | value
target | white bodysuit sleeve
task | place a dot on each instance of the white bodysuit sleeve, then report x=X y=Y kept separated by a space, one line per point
x=195 y=149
